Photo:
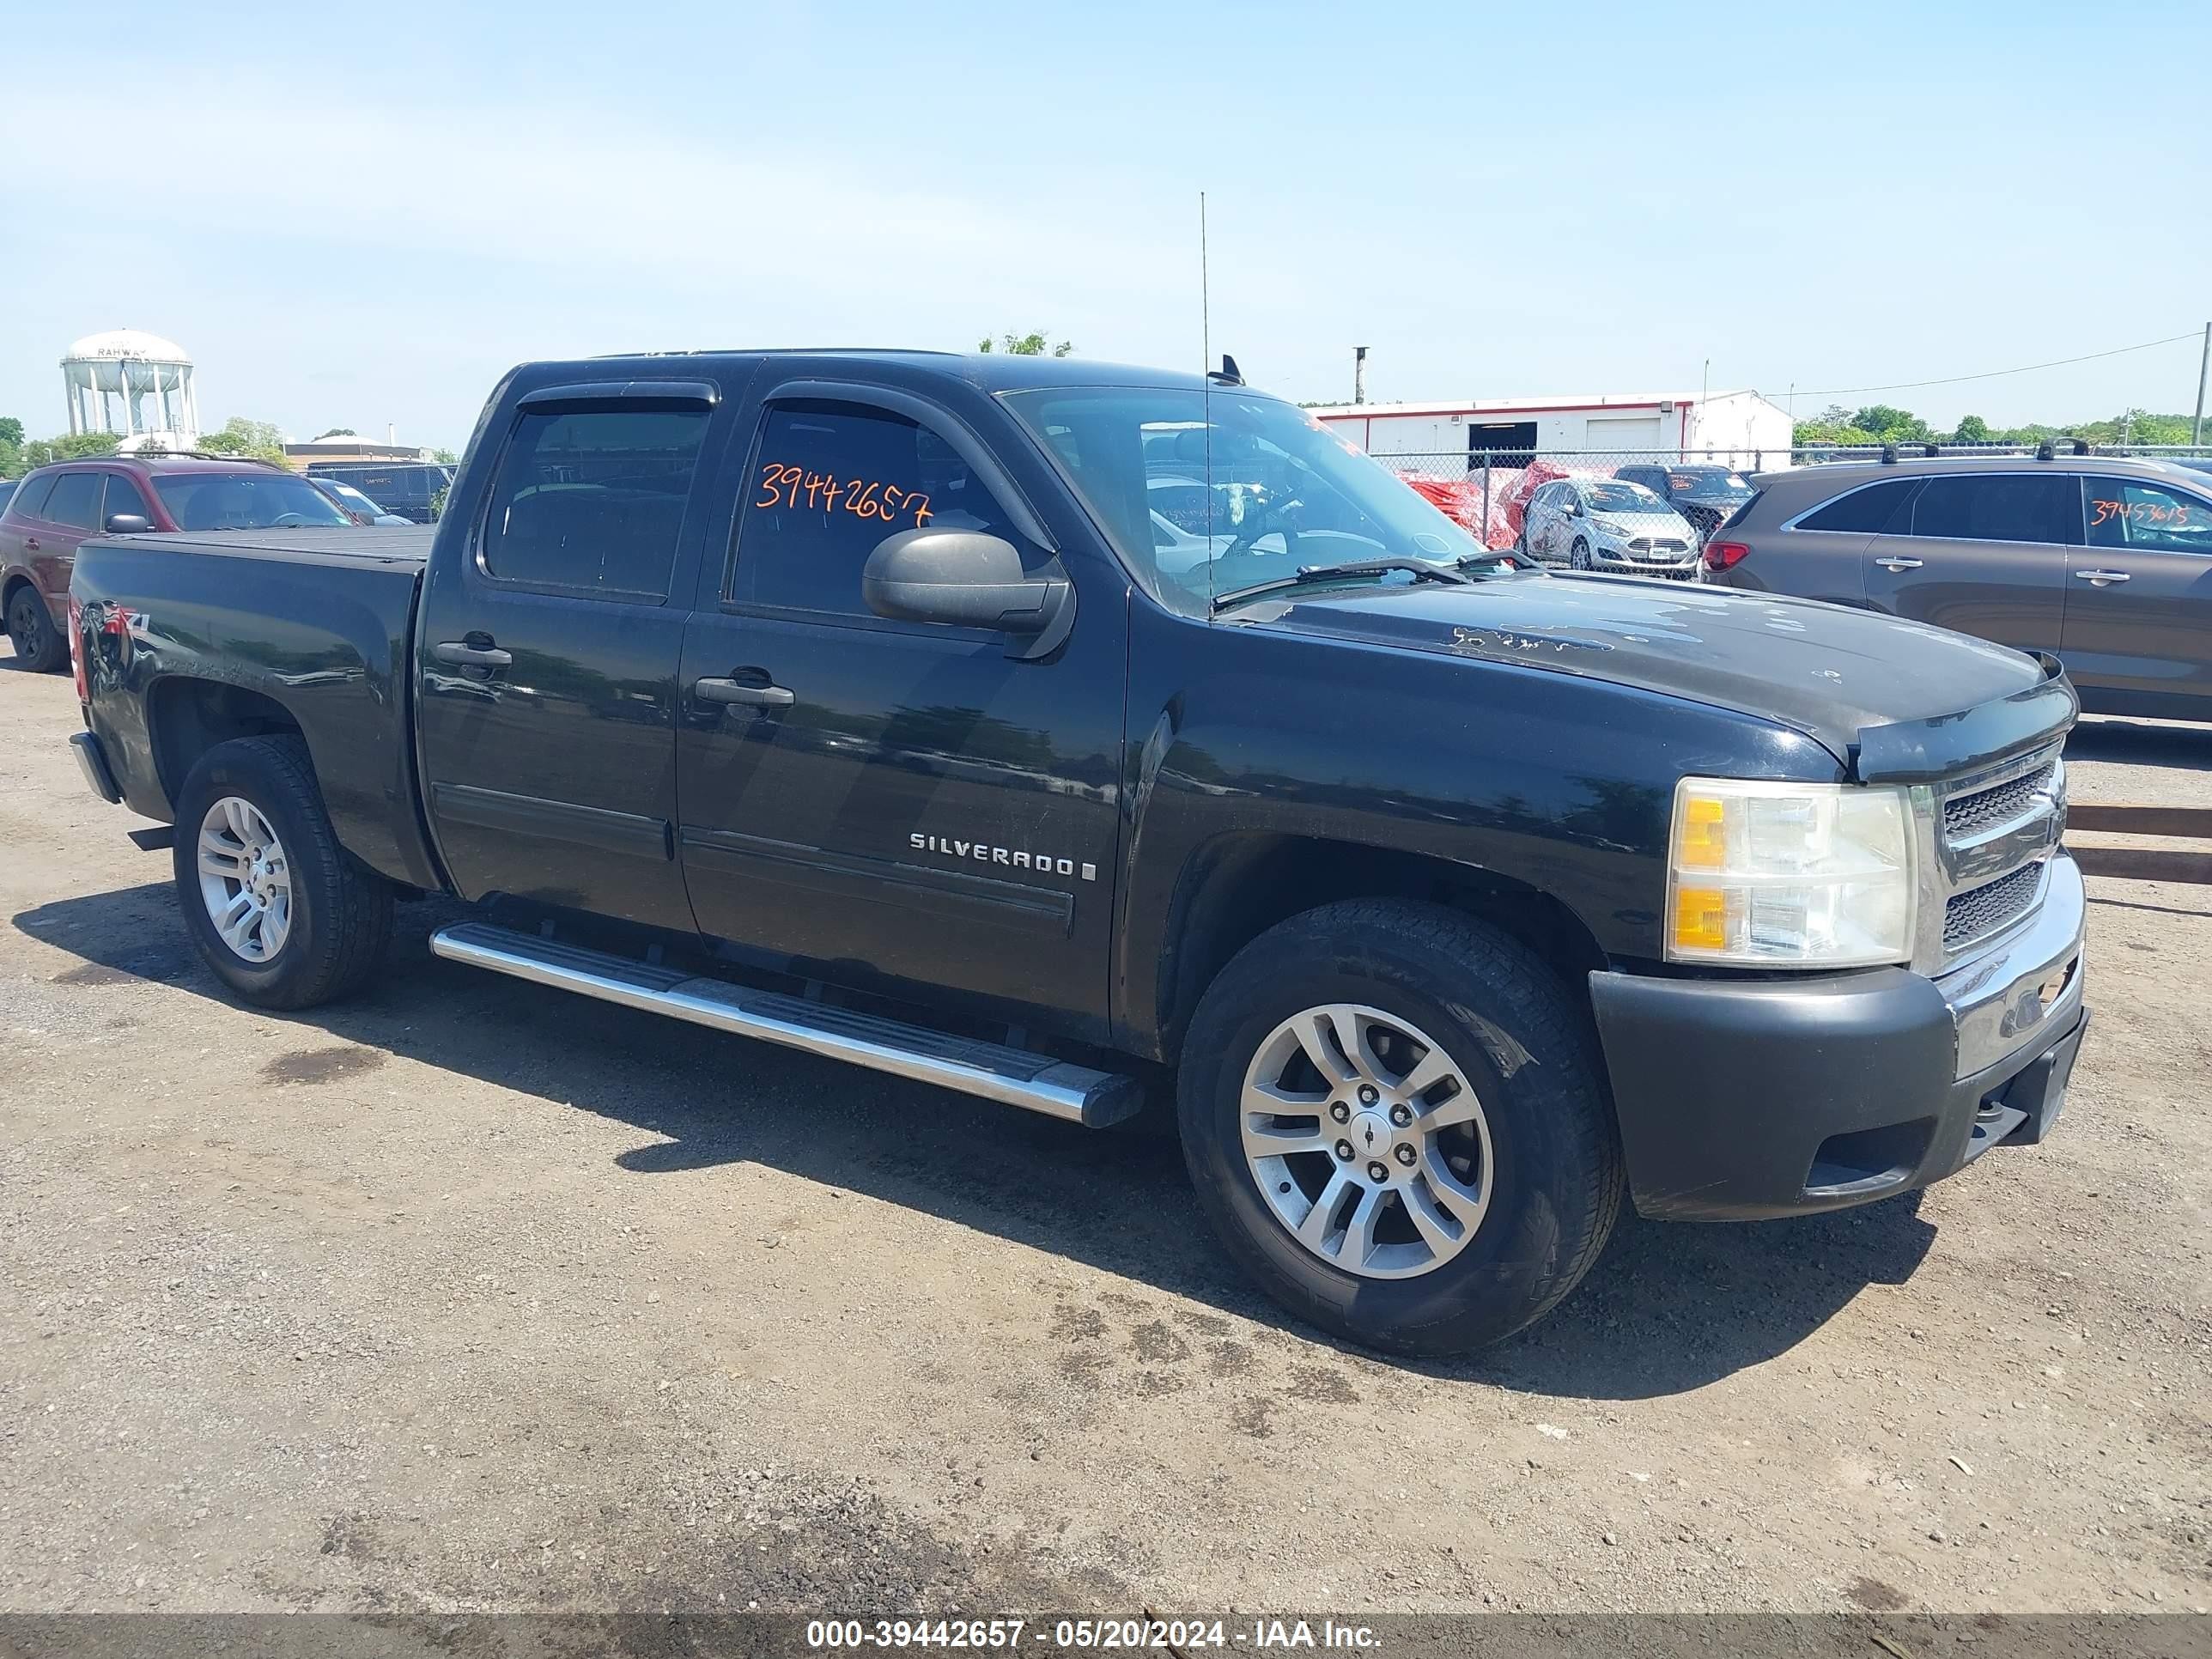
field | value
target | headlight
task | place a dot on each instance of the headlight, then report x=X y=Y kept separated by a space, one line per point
x=1608 y=526
x=1811 y=875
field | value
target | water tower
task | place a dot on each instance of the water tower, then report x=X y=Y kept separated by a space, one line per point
x=145 y=378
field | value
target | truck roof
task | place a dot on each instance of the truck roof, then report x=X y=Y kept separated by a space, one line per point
x=987 y=371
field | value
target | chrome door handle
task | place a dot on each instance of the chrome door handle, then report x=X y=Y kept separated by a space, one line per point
x=730 y=691
x=459 y=653
x=1894 y=562
x=2101 y=578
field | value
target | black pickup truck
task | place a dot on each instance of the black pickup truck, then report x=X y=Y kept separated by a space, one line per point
x=870 y=703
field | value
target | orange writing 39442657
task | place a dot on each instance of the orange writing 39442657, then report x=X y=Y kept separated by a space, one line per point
x=784 y=484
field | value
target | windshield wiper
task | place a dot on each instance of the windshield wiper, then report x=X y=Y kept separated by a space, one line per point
x=1418 y=569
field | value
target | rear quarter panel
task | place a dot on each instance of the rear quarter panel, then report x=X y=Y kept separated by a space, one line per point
x=1809 y=564
x=326 y=638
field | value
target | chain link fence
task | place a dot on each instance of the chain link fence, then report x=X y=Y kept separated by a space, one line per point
x=1487 y=491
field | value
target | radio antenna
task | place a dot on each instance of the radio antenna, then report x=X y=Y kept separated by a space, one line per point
x=1206 y=396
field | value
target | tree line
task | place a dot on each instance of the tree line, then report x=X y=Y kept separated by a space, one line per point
x=248 y=440
x=1883 y=423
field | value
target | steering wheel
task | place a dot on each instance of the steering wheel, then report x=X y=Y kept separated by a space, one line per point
x=1267 y=517
x=287 y=521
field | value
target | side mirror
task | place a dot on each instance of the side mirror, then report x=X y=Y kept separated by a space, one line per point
x=965 y=579
x=128 y=523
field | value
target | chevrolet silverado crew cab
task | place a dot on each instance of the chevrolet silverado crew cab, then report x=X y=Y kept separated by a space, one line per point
x=865 y=702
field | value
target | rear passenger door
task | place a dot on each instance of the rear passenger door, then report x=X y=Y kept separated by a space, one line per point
x=1984 y=553
x=546 y=718
x=2139 y=599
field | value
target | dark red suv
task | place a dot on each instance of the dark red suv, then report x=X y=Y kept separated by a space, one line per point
x=57 y=507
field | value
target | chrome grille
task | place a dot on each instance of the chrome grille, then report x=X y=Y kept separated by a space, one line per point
x=1965 y=816
x=1993 y=831
x=1995 y=904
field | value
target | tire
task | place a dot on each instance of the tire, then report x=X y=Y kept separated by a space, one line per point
x=38 y=644
x=1579 y=557
x=337 y=917
x=1550 y=1156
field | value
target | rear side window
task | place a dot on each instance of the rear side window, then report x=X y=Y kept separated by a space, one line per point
x=30 y=498
x=1865 y=511
x=2127 y=513
x=1999 y=507
x=76 y=500
x=592 y=500
x=829 y=483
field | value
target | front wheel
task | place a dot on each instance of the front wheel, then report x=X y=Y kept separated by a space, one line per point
x=1580 y=557
x=281 y=912
x=38 y=644
x=1392 y=1119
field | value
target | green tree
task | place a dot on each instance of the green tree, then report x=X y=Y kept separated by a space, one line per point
x=1033 y=344
x=445 y=458
x=11 y=431
x=1971 y=429
x=69 y=446
x=256 y=439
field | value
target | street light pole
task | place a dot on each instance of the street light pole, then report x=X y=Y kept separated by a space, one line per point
x=2203 y=363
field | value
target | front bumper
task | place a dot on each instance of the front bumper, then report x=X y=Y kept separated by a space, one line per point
x=1615 y=561
x=1740 y=1099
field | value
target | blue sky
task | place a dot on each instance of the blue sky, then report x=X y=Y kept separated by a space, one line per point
x=355 y=215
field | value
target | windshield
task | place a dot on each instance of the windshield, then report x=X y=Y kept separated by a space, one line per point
x=1707 y=481
x=1621 y=498
x=1200 y=509
x=352 y=497
x=245 y=501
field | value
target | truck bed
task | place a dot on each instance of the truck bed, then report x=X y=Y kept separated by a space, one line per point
x=194 y=628
x=354 y=544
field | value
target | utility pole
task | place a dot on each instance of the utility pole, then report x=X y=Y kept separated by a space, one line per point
x=2203 y=363
x=1359 y=375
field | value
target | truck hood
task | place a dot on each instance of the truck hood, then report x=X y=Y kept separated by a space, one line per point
x=1850 y=679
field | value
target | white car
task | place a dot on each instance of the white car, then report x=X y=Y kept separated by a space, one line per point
x=1605 y=524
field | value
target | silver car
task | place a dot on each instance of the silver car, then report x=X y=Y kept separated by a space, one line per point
x=1609 y=524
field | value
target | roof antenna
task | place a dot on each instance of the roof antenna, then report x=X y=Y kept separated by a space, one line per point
x=1205 y=397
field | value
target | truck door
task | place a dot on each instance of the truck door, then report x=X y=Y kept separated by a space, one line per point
x=869 y=800
x=2139 y=597
x=548 y=648
x=1984 y=553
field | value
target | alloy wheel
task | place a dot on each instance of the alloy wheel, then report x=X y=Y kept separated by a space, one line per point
x=1367 y=1140
x=245 y=880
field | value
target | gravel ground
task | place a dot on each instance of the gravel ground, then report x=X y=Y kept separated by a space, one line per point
x=467 y=1295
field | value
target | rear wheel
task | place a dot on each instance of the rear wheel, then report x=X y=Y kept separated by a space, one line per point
x=283 y=914
x=1392 y=1119
x=38 y=644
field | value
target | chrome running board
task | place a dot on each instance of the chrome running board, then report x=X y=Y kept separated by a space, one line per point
x=1011 y=1077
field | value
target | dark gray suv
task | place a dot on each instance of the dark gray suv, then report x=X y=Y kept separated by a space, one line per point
x=2103 y=561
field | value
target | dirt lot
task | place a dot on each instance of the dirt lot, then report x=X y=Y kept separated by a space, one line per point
x=471 y=1295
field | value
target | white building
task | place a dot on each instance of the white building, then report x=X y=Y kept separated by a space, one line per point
x=1737 y=428
x=133 y=384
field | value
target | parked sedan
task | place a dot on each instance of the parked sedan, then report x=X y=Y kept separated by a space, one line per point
x=355 y=506
x=1604 y=524
x=1704 y=494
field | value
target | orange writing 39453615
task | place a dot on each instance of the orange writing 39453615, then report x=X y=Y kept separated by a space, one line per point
x=788 y=485
x=2174 y=513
